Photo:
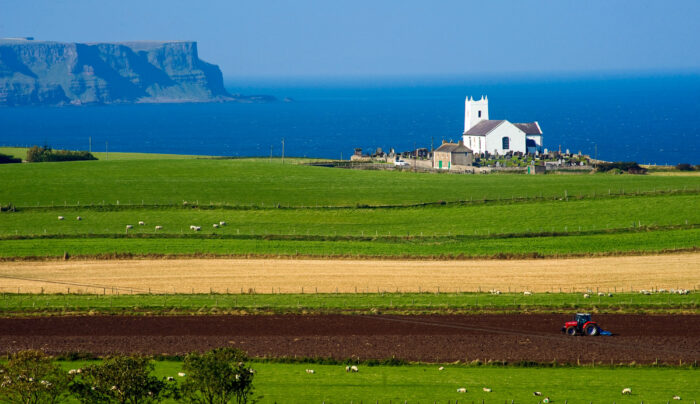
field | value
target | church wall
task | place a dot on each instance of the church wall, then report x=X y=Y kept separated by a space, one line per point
x=494 y=141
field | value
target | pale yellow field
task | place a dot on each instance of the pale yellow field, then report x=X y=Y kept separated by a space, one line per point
x=290 y=276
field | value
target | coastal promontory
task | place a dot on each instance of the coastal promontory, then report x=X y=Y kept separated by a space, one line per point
x=58 y=73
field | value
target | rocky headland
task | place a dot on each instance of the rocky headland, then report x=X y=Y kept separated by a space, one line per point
x=59 y=73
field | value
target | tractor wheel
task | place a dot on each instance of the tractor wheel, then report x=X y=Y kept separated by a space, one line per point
x=571 y=331
x=591 y=330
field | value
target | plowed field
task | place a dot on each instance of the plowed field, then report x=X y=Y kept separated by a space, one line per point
x=420 y=338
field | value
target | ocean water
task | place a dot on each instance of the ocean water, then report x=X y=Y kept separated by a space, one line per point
x=643 y=118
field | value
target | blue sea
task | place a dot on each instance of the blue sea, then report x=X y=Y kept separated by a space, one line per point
x=652 y=118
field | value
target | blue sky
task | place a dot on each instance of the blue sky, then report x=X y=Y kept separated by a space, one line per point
x=339 y=38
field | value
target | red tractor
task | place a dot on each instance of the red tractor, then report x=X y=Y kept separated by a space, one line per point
x=582 y=325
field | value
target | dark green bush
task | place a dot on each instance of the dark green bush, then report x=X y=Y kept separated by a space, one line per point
x=38 y=154
x=219 y=376
x=121 y=379
x=31 y=377
x=685 y=167
x=626 y=166
x=7 y=159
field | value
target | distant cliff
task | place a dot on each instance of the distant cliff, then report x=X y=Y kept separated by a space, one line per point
x=55 y=73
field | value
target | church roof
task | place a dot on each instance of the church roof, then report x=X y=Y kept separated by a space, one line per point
x=531 y=128
x=484 y=127
x=454 y=148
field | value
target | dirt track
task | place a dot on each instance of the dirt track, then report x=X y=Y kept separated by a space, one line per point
x=290 y=276
x=425 y=338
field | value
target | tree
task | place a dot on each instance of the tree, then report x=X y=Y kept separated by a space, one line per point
x=7 y=159
x=31 y=377
x=219 y=376
x=121 y=379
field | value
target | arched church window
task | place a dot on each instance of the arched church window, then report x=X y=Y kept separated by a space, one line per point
x=506 y=143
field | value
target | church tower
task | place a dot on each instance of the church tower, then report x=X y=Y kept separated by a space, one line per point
x=475 y=111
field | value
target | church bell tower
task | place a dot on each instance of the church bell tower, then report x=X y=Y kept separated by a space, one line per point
x=475 y=111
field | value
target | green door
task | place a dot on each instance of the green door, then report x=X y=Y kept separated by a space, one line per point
x=440 y=164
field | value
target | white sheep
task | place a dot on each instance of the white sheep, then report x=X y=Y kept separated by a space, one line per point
x=441 y=368
x=197 y=228
x=310 y=371
x=347 y=368
x=215 y=225
x=192 y=227
x=181 y=374
x=222 y=223
x=527 y=293
x=159 y=227
x=72 y=371
x=645 y=292
x=586 y=295
x=141 y=223
x=78 y=218
x=545 y=400
x=487 y=390
x=601 y=294
x=354 y=368
x=60 y=218
x=627 y=390
x=171 y=379
x=462 y=390
x=495 y=292
x=128 y=227
x=537 y=393
x=676 y=397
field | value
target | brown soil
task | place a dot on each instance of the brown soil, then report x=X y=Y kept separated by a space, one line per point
x=291 y=276
x=639 y=338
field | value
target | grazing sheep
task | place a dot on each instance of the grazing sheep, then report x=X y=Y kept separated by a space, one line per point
x=610 y=295
x=171 y=379
x=215 y=225
x=645 y=292
x=78 y=218
x=461 y=390
x=159 y=227
x=486 y=389
x=60 y=218
x=197 y=228
x=354 y=368
x=181 y=374
x=141 y=223
x=222 y=223
x=310 y=371
x=537 y=393
x=72 y=371
x=495 y=292
x=545 y=400
x=586 y=295
x=441 y=368
x=661 y=290
x=527 y=293
x=676 y=397
x=627 y=390
x=347 y=368
x=128 y=227
x=601 y=294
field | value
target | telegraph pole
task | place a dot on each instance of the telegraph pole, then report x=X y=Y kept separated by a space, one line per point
x=282 y=150
x=415 y=156
x=90 y=144
x=107 y=150
x=270 y=153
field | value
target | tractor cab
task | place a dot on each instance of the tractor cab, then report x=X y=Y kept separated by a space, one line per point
x=581 y=325
x=582 y=318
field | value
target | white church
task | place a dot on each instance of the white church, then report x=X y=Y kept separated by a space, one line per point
x=497 y=136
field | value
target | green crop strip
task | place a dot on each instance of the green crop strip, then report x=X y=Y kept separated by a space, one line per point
x=124 y=301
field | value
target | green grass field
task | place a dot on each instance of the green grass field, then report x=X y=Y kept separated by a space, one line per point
x=257 y=182
x=549 y=215
x=268 y=302
x=289 y=383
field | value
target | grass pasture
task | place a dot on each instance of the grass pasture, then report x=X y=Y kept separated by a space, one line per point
x=239 y=182
x=420 y=383
x=400 y=303
x=275 y=209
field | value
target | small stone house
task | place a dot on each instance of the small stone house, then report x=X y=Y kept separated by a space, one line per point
x=452 y=154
